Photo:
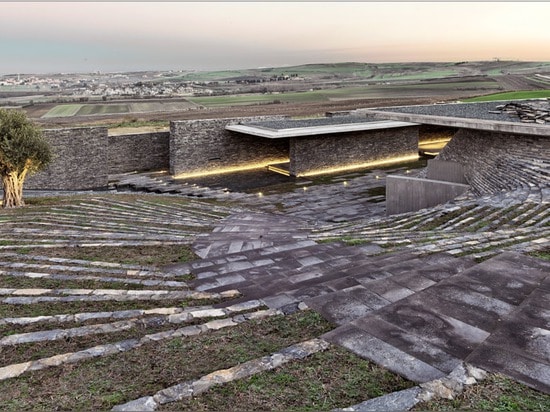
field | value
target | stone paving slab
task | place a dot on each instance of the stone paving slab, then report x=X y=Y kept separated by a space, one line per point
x=367 y=346
x=495 y=315
x=519 y=367
x=248 y=231
x=342 y=307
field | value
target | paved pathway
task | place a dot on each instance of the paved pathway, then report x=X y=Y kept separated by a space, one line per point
x=493 y=315
x=419 y=316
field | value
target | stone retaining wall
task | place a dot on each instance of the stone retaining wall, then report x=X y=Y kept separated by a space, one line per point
x=80 y=160
x=139 y=152
x=494 y=161
x=198 y=146
x=315 y=153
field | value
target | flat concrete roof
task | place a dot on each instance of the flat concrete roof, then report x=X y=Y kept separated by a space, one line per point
x=480 y=116
x=313 y=127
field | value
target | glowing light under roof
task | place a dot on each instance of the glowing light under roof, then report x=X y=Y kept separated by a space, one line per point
x=361 y=165
x=225 y=170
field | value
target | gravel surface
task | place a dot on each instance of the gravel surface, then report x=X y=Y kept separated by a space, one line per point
x=464 y=110
x=321 y=121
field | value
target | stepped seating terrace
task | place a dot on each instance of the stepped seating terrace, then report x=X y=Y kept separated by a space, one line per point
x=423 y=294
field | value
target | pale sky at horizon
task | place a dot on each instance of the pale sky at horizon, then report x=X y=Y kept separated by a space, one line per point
x=47 y=37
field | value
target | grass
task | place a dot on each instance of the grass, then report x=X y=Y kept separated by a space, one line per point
x=327 y=380
x=54 y=308
x=99 y=384
x=134 y=122
x=528 y=94
x=45 y=283
x=444 y=218
x=342 y=93
x=541 y=254
x=496 y=393
x=139 y=255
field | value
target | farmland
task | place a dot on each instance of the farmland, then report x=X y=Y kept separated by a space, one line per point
x=310 y=89
x=532 y=94
x=68 y=110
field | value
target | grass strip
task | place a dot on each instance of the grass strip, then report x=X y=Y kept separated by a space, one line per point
x=23 y=282
x=139 y=255
x=330 y=379
x=101 y=383
x=54 y=308
x=496 y=393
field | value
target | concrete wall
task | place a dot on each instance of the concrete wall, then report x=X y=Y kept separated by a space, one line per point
x=79 y=160
x=315 y=153
x=446 y=170
x=198 y=146
x=139 y=152
x=407 y=194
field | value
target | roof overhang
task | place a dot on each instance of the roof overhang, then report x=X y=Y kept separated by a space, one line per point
x=461 y=122
x=270 y=133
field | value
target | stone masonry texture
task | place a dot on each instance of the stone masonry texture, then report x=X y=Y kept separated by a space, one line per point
x=204 y=145
x=79 y=160
x=310 y=154
x=498 y=161
x=139 y=152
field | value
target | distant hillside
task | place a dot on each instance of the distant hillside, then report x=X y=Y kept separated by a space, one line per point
x=377 y=71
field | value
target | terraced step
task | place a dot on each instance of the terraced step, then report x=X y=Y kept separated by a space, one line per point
x=109 y=221
x=479 y=227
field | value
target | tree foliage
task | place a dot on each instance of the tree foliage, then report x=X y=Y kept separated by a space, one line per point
x=23 y=151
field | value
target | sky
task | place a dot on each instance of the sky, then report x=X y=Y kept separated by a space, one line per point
x=53 y=37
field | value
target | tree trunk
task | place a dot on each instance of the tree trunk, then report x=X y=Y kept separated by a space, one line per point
x=13 y=190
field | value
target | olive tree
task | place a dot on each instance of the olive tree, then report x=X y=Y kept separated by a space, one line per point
x=23 y=151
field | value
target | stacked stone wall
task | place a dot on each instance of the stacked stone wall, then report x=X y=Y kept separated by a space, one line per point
x=315 y=153
x=199 y=146
x=80 y=160
x=139 y=152
x=495 y=162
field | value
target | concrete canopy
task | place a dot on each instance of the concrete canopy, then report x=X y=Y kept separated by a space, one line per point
x=479 y=116
x=313 y=127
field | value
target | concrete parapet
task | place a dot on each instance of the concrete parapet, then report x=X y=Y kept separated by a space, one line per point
x=407 y=194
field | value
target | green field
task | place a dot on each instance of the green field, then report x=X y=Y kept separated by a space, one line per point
x=529 y=94
x=347 y=93
x=401 y=71
x=93 y=109
x=64 y=110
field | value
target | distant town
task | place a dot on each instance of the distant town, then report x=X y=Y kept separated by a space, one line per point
x=107 y=86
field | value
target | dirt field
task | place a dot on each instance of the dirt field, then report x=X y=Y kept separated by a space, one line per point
x=298 y=109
